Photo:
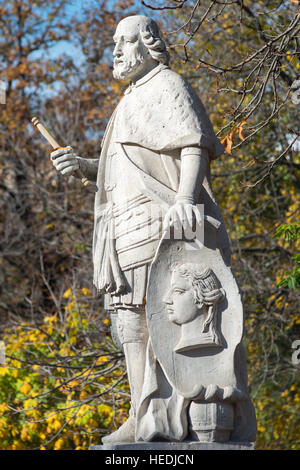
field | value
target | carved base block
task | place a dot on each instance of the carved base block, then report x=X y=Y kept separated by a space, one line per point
x=210 y=422
x=177 y=446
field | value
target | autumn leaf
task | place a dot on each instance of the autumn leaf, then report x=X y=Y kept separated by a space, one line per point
x=26 y=387
x=240 y=128
x=67 y=293
x=228 y=140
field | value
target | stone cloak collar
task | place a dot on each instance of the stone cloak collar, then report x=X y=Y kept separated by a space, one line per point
x=162 y=112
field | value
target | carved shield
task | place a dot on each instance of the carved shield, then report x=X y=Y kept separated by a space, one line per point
x=202 y=365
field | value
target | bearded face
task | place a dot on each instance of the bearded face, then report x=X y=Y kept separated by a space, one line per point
x=128 y=65
x=130 y=53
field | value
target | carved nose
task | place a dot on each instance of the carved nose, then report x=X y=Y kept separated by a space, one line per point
x=117 y=52
x=167 y=299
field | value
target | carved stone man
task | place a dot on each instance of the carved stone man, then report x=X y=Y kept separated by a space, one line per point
x=156 y=152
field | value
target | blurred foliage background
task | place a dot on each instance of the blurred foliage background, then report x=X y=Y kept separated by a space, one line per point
x=63 y=384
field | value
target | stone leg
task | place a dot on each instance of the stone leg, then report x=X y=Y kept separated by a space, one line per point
x=133 y=334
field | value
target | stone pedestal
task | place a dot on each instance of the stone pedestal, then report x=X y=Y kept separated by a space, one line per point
x=176 y=446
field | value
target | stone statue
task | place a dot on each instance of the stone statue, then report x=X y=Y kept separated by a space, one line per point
x=174 y=299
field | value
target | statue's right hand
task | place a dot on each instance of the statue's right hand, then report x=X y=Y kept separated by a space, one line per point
x=65 y=161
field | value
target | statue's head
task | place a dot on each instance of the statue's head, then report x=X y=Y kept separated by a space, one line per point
x=194 y=291
x=138 y=47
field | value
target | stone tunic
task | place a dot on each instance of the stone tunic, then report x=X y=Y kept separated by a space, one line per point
x=137 y=229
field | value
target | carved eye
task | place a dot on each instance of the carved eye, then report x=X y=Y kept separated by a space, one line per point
x=130 y=41
x=179 y=291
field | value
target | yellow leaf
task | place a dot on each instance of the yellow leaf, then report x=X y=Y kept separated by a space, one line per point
x=58 y=444
x=24 y=434
x=101 y=359
x=86 y=291
x=67 y=293
x=26 y=387
x=3 y=407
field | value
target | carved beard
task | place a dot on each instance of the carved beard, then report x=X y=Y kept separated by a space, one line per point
x=125 y=66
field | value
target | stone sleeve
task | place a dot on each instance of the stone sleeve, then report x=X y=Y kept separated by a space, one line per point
x=194 y=166
x=89 y=167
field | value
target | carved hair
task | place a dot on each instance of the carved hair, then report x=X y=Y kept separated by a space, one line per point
x=206 y=290
x=155 y=44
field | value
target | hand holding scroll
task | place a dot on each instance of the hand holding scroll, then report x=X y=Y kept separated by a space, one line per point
x=63 y=158
x=65 y=161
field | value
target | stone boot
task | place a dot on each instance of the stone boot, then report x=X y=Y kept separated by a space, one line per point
x=125 y=433
x=135 y=355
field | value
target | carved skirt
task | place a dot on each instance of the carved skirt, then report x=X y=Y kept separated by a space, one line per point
x=135 y=294
x=137 y=231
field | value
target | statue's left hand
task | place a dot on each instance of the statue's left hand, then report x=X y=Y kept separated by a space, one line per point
x=182 y=214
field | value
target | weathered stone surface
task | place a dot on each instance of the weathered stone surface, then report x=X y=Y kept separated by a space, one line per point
x=162 y=258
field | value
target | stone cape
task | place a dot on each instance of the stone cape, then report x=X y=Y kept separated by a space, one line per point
x=163 y=112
